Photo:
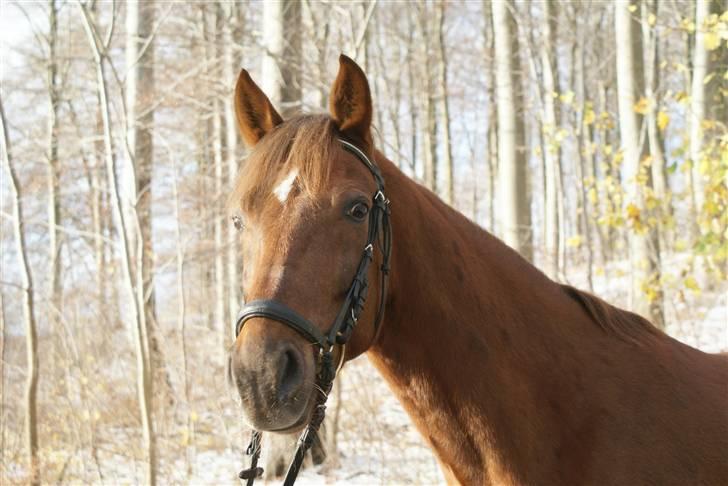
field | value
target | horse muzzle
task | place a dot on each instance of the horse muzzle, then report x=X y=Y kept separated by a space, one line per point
x=274 y=378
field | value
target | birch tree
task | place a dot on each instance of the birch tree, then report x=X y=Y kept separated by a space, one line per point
x=643 y=246
x=513 y=194
x=230 y=69
x=131 y=273
x=26 y=284
x=54 y=203
x=701 y=66
x=444 y=103
x=139 y=87
x=428 y=101
x=281 y=79
x=552 y=152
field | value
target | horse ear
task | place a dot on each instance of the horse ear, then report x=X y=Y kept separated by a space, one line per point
x=350 y=102
x=255 y=113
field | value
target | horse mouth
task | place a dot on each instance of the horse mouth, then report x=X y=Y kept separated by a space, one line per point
x=280 y=418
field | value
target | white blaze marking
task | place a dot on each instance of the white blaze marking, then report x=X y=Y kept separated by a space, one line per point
x=281 y=191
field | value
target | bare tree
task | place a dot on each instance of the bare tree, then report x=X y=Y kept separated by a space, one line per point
x=132 y=274
x=444 y=102
x=698 y=93
x=655 y=139
x=139 y=88
x=643 y=246
x=229 y=71
x=31 y=333
x=513 y=196
x=54 y=200
x=281 y=79
x=428 y=101
x=549 y=127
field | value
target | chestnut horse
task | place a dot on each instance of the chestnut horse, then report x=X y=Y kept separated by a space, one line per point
x=511 y=377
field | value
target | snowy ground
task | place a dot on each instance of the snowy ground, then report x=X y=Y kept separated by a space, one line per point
x=377 y=442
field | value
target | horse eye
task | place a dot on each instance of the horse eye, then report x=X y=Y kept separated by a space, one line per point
x=358 y=211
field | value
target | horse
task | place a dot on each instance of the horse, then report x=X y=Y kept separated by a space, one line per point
x=510 y=377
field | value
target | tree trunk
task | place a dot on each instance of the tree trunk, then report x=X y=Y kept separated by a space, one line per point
x=657 y=165
x=54 y=200
x=138 y=181
x=281 y=79
x=427 y=96
x=449 y=182
x=411 y=98
x=492 y=134
x=131 y=282
x=182 y=321
x=513 y=196
x=582 y=142
x=552 y=150
x=31 y=334
x=701 y=67
x=230 y=66
x=644 y=252
x=3 y=343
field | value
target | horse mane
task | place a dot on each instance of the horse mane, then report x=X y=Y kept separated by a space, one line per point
x=612 y=320
x=301 y=144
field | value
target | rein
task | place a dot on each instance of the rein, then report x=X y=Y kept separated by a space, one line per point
x=379 y=234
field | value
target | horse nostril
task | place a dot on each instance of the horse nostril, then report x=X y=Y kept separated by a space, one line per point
x=291 y=374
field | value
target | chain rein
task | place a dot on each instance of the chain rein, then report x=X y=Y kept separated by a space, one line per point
x=379 y=234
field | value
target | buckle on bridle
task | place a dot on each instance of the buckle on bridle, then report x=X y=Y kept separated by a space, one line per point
x=380 y=197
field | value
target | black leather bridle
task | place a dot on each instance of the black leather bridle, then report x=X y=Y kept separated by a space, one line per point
x=379 y=234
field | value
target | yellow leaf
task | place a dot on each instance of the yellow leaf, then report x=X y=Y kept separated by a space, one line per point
x=708 y=78
x=712 y=41
x=561 y=134
x=651 y=19
x=592 y=195
x=688 y=25
x=651 y=202
x=642 y=106
x=632 y=8
x=692 y=284
x=633 y=212
x=567 y=97
x=193 y=417
x=599 y=271
x=680 y=245
x=662 y=120
x=574 y=241
x=589 y=116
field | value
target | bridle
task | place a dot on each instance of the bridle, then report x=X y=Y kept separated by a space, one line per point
x=379 y=234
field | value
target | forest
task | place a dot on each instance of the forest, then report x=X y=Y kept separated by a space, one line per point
x=590 y=136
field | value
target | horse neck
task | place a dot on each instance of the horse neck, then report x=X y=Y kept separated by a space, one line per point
x=476 y=341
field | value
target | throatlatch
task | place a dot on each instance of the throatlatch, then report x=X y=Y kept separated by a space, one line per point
x=379 y=234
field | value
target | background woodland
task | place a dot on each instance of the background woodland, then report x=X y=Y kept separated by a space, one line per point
x=592 y=136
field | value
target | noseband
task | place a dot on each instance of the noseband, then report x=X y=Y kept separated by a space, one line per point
x=379 y=234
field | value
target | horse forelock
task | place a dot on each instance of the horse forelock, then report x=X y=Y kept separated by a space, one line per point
x=301 y=145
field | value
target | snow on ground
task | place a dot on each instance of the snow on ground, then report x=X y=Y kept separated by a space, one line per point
x=377 y=442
